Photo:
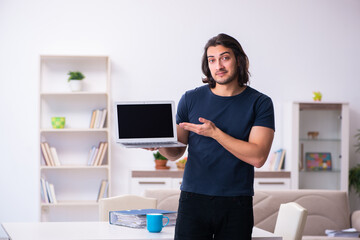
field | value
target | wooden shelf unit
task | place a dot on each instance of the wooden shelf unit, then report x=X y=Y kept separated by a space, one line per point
x=76 y=184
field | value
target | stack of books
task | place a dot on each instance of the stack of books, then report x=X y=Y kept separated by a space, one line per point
x=47 y=191
x=97 y=154
x=137 y=218
x=277 y=160
x=49 y=154
x=98 y=117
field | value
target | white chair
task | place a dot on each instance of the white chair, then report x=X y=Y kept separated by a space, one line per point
x=167 y=199
x=290 y=221
x=123 y=202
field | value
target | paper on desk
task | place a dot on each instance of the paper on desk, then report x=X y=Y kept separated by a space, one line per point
x=350 y=232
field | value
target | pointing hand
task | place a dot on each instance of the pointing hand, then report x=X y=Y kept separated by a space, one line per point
x=207 y=128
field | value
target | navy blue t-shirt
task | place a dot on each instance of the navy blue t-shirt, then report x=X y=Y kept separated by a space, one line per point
x=211 y=169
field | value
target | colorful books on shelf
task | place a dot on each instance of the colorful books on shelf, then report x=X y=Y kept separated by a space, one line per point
x=277 y=160
x=47 y=191
x=98 y=117
x=103 y=190
x=49 y=154
x=137 y=218
x=97 y=154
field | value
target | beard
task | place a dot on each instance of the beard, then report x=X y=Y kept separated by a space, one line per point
x=231 y=78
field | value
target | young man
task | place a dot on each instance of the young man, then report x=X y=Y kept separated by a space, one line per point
x=229 y=128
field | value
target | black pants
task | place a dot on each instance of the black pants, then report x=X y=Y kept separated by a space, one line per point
x=202 y=217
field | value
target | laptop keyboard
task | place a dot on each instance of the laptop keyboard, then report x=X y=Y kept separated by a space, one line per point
x=152 y=145
x=149 y=143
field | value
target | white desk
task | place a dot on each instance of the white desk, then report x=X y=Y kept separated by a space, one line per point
x=97 y=230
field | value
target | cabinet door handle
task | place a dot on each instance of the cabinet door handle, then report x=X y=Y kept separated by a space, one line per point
x=151 y=182
x=268 y=183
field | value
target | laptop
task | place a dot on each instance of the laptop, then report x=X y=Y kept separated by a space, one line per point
x=146 y=124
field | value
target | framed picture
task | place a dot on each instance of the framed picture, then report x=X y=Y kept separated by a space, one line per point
x=318 y=161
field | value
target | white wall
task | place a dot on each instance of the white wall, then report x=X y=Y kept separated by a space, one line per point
x=294 y=47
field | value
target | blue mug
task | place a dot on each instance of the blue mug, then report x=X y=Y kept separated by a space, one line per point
x=154 y=222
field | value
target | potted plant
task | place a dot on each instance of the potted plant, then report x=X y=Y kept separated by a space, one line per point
x=181 y=163
x=354 y=172
x=160 y=161
x=75 y=80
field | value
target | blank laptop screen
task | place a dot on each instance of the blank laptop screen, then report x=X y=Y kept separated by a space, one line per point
x=144 y=121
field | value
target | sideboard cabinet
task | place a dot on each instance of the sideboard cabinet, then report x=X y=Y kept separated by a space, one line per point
x=171 y=179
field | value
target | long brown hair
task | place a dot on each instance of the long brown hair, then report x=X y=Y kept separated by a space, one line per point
x=241 y=59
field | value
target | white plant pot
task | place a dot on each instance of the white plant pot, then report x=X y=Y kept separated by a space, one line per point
x=75 y=85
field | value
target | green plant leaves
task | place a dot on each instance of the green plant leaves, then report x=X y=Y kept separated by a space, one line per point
x=158 y=156
x=357 y=136
x=75 y=76
x=354 y=178
x=354 y=172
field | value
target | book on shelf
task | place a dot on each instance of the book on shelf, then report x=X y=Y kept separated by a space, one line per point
x=52 y=193
x=280 y=160
x=92 y=121
x=92 y=154
x=102 y=154
x=47 y=191
x=106 y=192
x=345 y=233
x=277 y=160
x=137 y=218
x=271 y=161
x=97 y=154
x=45 y=154
x=49 y=154
x=47 y=147
x=103 y=190
x=98 y=117
x=103 y=118
x=43 y=191
x=54 y=155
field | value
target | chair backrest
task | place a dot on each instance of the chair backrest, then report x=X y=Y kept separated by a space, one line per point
x=327 y=209
x=123 y=202
x=290 y=221
x=167 y=199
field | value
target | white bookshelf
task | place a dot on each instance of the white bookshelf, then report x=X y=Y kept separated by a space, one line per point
x=76 y=183
x=331 y=121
